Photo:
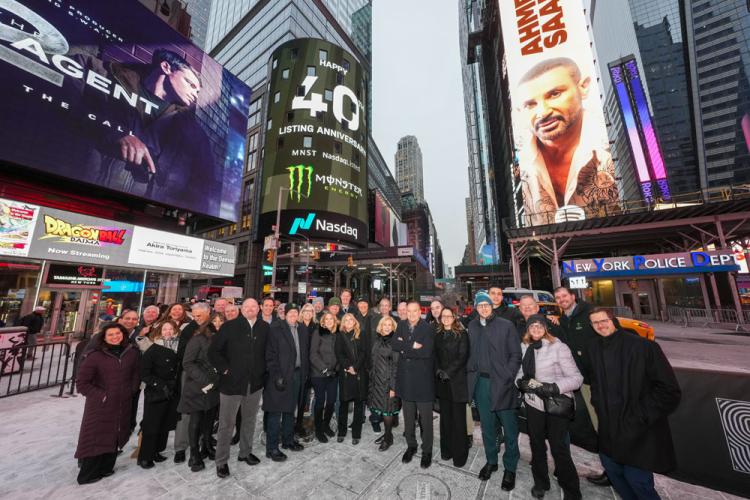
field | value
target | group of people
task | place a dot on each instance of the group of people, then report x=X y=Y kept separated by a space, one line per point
x=575 y=378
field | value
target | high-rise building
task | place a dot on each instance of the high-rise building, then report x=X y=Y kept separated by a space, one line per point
x=200 y=11
x=361 y=34
x=651 y=33
x=241 y=35
x=409 y=167
x=718 y=40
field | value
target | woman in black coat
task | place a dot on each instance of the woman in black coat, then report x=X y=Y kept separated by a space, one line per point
x=353 y=357
x=159 y=374
x=108 y=377
x=200 y=396
x=383 y=367
x=451 y=355
x=323 y=371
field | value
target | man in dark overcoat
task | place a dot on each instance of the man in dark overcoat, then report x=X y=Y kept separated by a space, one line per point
x=288 y=364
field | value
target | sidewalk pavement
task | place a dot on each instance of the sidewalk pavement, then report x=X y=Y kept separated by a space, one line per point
x=40 y=434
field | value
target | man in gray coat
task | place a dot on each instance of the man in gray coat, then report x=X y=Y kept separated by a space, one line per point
x=491 y=370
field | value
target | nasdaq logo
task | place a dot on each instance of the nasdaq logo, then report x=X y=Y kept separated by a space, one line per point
x=301 y=177
x=300 y=223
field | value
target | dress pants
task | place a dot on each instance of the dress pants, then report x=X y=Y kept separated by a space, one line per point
x=453 y=432
x=95 y=467
x=541 y=428
x=181 y=441
x=228 y=409
x=155 y=428
x=358 y=419
x=410 y=409
x=631 y=483
x=489 y=419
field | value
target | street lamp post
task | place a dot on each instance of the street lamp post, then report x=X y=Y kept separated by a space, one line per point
x=277 y=235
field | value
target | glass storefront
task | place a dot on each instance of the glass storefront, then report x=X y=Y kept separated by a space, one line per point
x=17 y=283
x=603 y=293
x=683 y=291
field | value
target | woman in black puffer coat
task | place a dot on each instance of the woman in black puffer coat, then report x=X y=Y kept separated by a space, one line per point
x=324 y=371
x=383 y=367
x=353 y=357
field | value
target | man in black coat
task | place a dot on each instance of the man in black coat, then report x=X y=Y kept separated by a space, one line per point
x=575 y=330
x=288 y=364
x=201 y=315
x=33 y=323
x=633 y=389
x=415 y=379
x=238 y=352
x=494 y=361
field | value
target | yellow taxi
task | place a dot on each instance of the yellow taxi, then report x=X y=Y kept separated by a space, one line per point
x=636 y=326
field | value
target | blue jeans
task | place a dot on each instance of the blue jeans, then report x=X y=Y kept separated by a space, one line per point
x=631 y=483
x=489 y=418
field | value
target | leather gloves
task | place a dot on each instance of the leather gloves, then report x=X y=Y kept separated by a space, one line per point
x=548 y=390
x=523 y=385
x=443 y=375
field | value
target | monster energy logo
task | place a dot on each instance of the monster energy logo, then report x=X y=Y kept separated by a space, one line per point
x=297 y=176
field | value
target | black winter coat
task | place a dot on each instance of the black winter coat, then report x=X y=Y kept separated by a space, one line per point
x=355 y=353
x=501 y=338
x=451 y=356
x=576 y=331
x=383 y=374
x=323 y=352
x=633 y=389
x=238 y=352
x=196 y=365
x=33 y=323
x=281 y=358
x=109 y=383
x=416 y=368
x=159 y=374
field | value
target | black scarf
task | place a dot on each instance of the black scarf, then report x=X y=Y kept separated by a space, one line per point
x=115 y=349
x=529 y=359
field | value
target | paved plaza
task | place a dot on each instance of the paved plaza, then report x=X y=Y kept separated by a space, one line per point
x=40 y=433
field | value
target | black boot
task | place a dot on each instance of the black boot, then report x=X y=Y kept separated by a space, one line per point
x=320 y=435
x=196 y=461
x=208 y=450
x=387 y=441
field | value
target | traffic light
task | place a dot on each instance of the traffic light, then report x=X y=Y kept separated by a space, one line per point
x=269 y=255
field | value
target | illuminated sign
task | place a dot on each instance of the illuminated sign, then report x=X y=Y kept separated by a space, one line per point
x=643 y=265
x=644 y=145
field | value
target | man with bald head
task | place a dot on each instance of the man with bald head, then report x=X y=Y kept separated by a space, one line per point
x=238 y=353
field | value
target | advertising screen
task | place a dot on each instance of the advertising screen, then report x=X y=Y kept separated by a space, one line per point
x=564 y=162
x=316 y=144
x=644 y=145
x=107 y=94
x=388 y=230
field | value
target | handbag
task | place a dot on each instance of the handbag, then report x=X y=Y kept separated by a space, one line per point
x=157 y=394
x=560 y=405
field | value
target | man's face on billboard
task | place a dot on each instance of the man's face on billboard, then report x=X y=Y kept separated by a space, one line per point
x=182 y=85
x=552 y=103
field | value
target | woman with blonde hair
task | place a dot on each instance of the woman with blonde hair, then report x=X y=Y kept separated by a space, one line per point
x=324 y=371
x=352 y=354
x=383 y=366
x=308 y=322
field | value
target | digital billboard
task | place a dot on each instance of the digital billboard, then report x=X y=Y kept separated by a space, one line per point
x=565 y=166
x=107 y=94
x=644 y=145
x=316 y=144
x=387 y=229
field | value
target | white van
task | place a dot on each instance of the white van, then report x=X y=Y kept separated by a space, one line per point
x=513 y=295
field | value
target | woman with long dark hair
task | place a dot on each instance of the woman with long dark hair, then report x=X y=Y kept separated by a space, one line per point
x=178 y=314
x=451 y=387
x=159 y=375
x=352 y=354
x=108 y=377
x=200 y=396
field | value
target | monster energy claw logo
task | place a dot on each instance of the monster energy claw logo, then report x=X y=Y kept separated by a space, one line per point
x=297 y=173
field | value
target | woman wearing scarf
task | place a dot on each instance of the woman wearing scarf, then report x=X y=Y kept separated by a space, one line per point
x=548 y=371
x=159 y=375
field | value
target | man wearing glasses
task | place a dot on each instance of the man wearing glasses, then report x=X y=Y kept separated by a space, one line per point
x=633 y=389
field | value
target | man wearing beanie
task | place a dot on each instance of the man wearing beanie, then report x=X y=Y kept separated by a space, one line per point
x=494 y=361
x=287 y=363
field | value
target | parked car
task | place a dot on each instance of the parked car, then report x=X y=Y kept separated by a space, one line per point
x=640 y=328
x=513 y=295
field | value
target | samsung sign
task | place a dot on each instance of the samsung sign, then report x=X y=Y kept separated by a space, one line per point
x=666 y=263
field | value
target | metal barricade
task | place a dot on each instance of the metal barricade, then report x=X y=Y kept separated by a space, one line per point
x=622 y=312
x=708 y=318
x=29 y=368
